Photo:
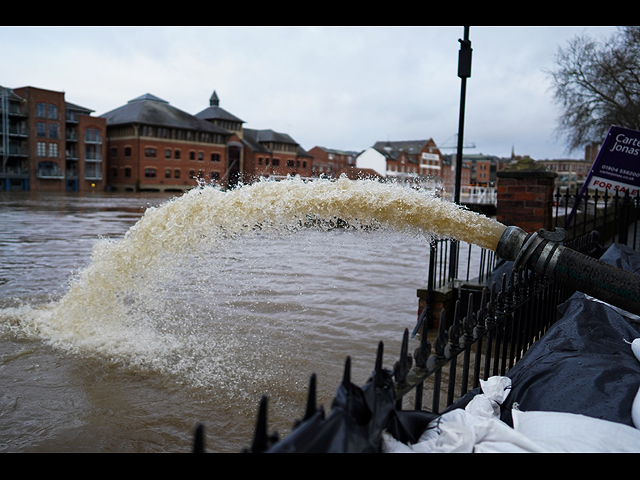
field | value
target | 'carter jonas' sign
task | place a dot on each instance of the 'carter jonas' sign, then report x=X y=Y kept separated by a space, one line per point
x=617 y=166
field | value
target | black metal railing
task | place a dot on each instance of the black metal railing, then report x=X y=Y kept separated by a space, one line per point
x=614 y=215
x=485 y=342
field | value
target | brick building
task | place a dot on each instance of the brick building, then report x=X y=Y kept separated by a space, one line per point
x=411 y=160
x=272 y=154
x=329 y=161
x=256 y=153
x=49 y=144
x=483 y=168
x=155 y=146
x=221 y=118
x=572 y=173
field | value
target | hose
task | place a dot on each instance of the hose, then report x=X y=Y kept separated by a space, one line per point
x=543 y=253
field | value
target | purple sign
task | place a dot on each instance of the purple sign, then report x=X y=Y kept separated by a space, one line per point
x=617 y=166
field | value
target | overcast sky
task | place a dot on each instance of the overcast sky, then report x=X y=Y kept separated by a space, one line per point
x=342 y=88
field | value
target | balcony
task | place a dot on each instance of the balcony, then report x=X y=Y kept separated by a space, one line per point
x=93 y=157
x=49 y=170
x=14 y=171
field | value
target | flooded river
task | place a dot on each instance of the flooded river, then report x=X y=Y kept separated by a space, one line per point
x=120 y=336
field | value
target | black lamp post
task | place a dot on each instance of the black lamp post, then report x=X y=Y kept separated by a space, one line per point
x=464 y=72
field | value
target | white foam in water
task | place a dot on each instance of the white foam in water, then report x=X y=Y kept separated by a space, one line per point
x=122 y=307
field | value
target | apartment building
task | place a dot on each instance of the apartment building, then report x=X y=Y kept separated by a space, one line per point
x=272 y=154
x=330 y=161
x=409 y=161
x=156 y=146
x=572 y=173
x=483 y=168
x=49 y=144
x=221 y=118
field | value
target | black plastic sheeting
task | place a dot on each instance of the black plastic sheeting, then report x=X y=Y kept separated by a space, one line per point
x=583 y=364
x=357 y=420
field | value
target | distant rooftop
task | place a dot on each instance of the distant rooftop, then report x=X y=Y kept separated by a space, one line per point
x=215 y=112
x=148 y=109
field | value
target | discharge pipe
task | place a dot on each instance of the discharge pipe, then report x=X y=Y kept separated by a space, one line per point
x=543 y=253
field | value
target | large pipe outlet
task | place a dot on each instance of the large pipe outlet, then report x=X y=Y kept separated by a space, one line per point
x=543 y=253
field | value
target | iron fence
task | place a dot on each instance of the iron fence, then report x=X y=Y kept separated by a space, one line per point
x=514 y=312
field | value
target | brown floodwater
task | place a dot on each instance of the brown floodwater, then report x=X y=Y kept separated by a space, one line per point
x=120 y=335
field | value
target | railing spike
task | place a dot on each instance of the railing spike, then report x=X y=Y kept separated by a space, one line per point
x=404 y=363
x=441 y=339
x=198 y=444
x=262 y=440
x=311 y=398
x=346 y=377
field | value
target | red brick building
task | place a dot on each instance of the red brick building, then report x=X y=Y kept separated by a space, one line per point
x=155 y=146
x=411 y=161
x=329 y=161
x=272 y=154
x=52 y=145
x=255 y=153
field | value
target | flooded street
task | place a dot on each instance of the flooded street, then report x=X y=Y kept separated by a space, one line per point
x=215 y=330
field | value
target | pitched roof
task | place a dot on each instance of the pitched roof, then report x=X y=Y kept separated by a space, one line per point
x=11 y=95
x=256 y=139
x=214 y=111
x=78 y=108
x=150 y=110
x=410 y=147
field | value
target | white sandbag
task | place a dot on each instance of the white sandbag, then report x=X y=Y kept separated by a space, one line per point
x=478 y=429
x=574 y=433
x=635 y=408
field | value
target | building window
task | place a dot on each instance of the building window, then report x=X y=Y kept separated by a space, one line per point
x=259 y=160
x=114 y=152
x=53 y=130
x=150 y=172
x=150 y=152
x=92 y=152
x=275 y=162
x=167 y=153
x=176 y=154
x=167 y=173
x=127 y=151
x=290 y=163
x=176 y=173
x=92 y=135
x=192 y=155
x=53 y=112
x=41 y=129
x=215 y=176
x=41 y=149
x=127 y=172
x=41 y=110
x=200 y=156
x=53 y=150
x=215 y=157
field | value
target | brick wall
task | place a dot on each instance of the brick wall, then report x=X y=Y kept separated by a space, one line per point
x=525 y=199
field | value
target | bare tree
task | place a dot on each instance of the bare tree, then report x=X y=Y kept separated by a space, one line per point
x=597 y=84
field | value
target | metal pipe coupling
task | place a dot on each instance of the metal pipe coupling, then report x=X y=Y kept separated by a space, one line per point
x=543 y=253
